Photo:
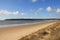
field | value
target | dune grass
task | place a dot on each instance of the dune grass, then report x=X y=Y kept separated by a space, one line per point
x=52 y=32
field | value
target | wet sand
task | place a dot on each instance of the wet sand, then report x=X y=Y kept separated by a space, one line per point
x=26 y=32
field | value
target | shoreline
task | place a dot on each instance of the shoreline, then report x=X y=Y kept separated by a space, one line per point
x=14 y=25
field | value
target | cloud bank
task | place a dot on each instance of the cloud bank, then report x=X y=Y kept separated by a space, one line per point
x=5 y=12
x=50 y=9
x=47 y=9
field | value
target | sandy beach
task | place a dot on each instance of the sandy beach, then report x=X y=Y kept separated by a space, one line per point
x=20 y=32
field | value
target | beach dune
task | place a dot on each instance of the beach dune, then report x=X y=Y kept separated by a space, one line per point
x=23 y=32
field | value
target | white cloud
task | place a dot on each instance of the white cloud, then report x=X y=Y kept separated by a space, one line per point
x=49 y=9
x=23 y=14
x=16 y=13
x=34 y=0
x=5 y=12
x=58 y=10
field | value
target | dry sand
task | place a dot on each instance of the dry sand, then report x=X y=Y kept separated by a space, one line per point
x=23 y=32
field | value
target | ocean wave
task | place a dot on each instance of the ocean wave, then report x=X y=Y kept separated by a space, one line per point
x=14 y=25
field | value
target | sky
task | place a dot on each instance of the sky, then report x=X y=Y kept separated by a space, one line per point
x=40 y=9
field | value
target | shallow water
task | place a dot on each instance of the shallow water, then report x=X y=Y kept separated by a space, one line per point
x=4 y=23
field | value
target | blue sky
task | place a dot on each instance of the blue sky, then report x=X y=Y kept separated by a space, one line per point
x=29 y=9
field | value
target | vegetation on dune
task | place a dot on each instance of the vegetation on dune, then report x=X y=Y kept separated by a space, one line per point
x=52 y=32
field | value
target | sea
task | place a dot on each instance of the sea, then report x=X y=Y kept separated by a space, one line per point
x=13 y=23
